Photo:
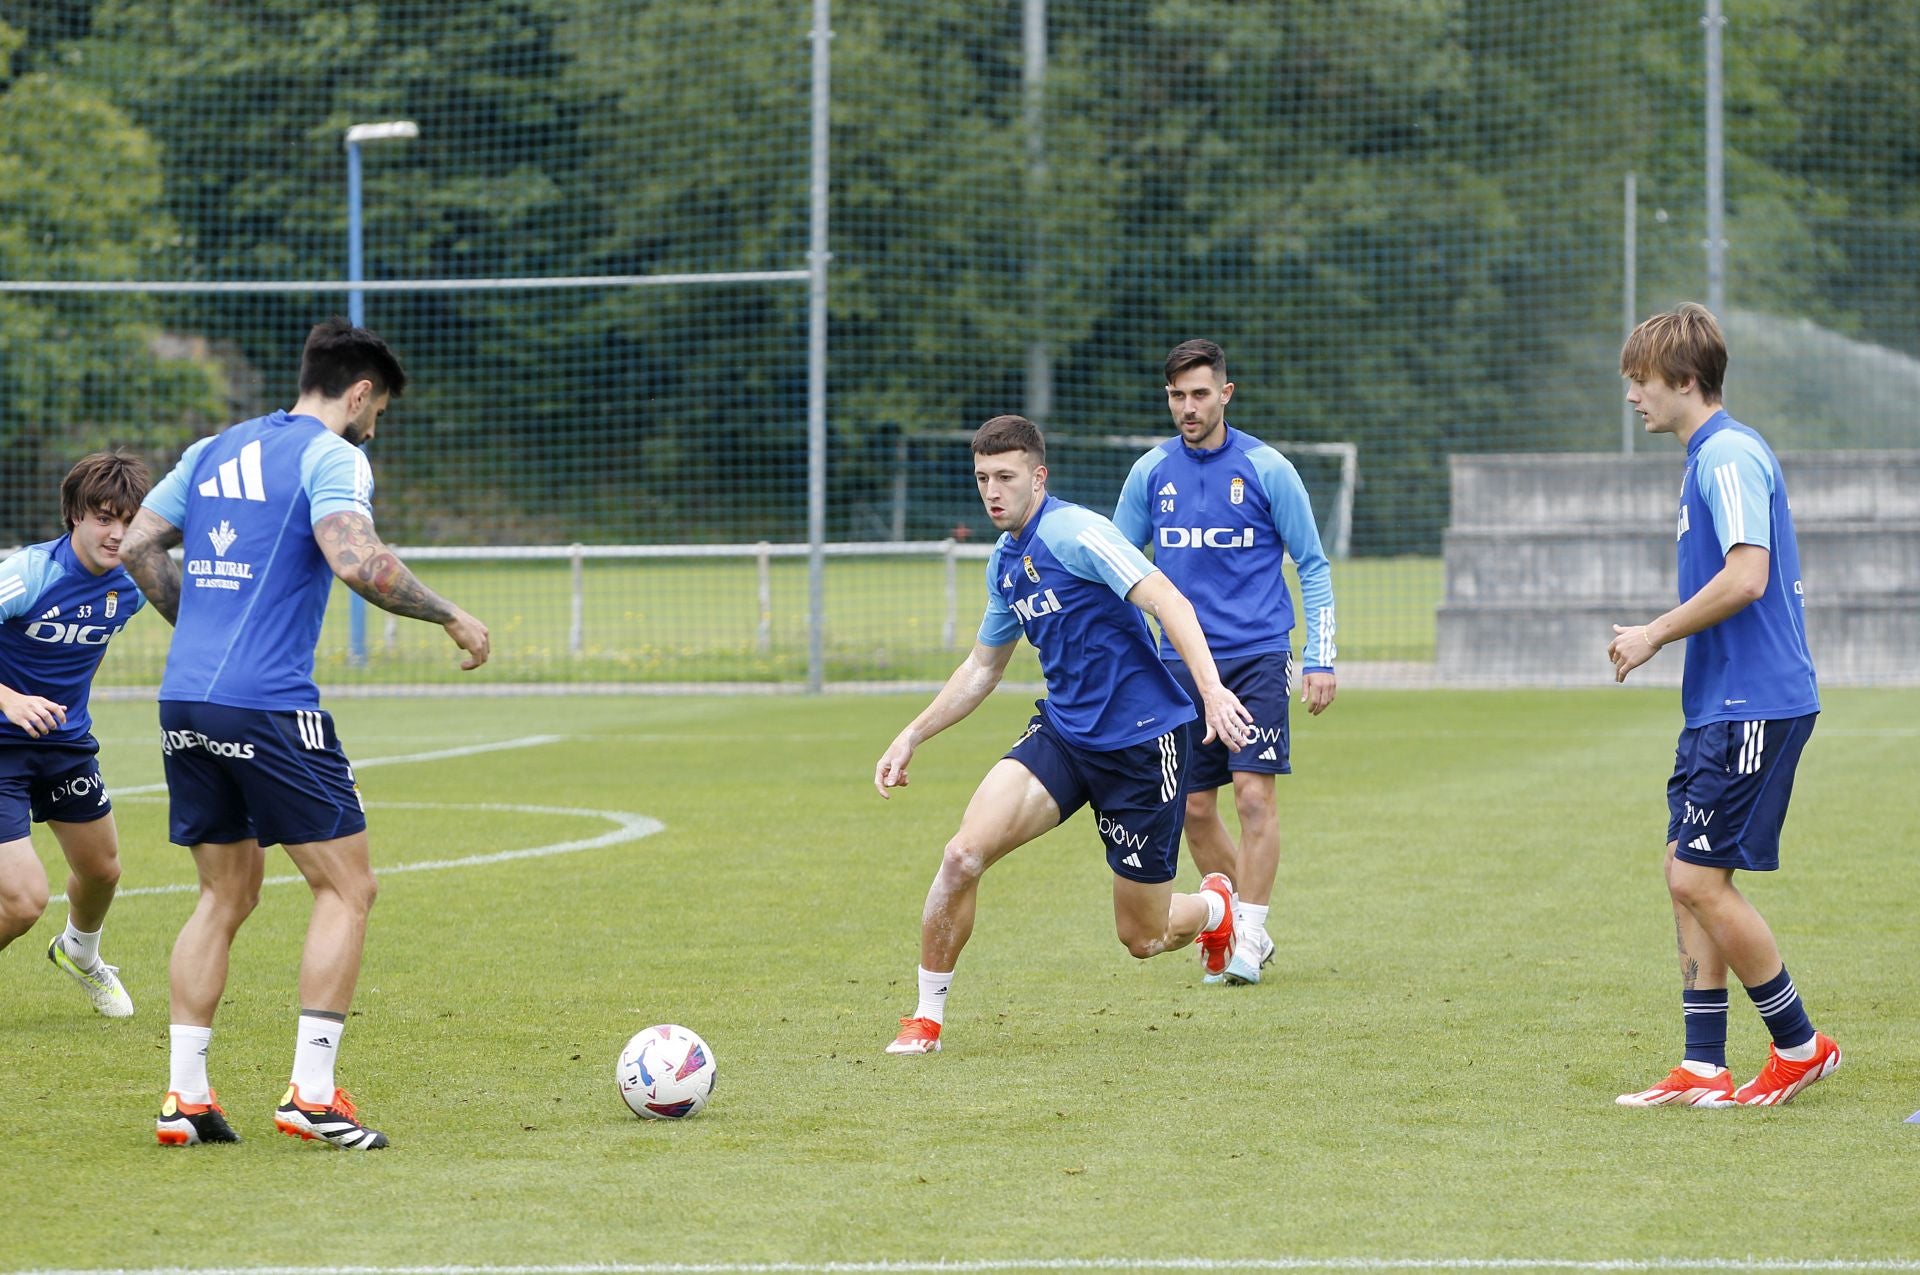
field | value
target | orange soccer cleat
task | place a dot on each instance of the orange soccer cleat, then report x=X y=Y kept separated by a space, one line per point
x=187 y=1124
x=1687 y=1088
x=1216 y=945
x=917 y=1036
x=336 y=1122
x=1782 y=1078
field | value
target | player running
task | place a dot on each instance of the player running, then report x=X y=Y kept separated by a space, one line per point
x=1224 y=512
x=1750 y=700
x=1111 y=733
x=270 y=512
x=61 y=602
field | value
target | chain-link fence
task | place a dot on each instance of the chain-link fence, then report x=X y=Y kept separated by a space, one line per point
x=1406 y=220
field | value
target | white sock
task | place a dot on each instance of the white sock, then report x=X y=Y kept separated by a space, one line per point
x=1704 y=1070
x=1216 y=910
x=187 y=1061
x=1799 y=1053
x=1250 y=916
x=84 y=948
x=314 y=1050
x=933 y=995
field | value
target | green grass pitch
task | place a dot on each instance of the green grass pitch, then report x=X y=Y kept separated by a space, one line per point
x=1475 y=956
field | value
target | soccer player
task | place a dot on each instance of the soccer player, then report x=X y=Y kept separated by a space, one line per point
x=1112 y=731
x=1750 y=700
x=61 y=602
x=270 y=511
x=1224 y=511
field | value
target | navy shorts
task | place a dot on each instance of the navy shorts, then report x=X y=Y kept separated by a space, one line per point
x=40 y=781
x=1728 y=796
x=278 y=777
x=1138 y=794
x=1262 y=683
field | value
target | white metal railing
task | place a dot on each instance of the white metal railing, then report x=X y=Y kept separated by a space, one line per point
x=762 y=553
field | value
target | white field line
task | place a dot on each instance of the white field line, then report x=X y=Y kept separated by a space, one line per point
x=1202 y=1264
x=442 y=754
x=628 y=825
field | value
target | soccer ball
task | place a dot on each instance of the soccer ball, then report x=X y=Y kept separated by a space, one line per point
x=666 y=1073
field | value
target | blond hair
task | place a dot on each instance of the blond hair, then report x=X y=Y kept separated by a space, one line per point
x=1683 y=344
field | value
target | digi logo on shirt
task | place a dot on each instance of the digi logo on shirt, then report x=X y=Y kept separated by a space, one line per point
x=1206 y=537
x=72 y=634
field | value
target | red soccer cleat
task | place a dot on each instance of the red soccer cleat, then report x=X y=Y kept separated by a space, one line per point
x=1216 y=945
x=917 y=1036
x=1782 y=1078
x=1685 y=1088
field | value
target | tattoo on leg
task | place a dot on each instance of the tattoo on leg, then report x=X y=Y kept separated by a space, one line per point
x=1689 y=967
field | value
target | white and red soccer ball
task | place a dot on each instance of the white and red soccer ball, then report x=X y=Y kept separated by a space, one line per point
x=666 y=1073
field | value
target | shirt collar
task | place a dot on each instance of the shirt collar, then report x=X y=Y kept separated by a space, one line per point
x=1712 y=425
x=1208 y=453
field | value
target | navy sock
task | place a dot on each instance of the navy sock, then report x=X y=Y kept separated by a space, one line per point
x=1780 y=1006
x=1706 y=1015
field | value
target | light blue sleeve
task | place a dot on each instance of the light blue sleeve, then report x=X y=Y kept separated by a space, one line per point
x=998 y=626
x=1093 y=549
x=1293 y=519
x=1737 y=483
x=336 y=477
x=23 y=578
x=1134 y=514
x=168 y=497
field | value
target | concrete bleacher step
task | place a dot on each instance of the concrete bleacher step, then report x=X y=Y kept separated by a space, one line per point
x=1837 y=560
x=1545 y=553
x=1545 y=490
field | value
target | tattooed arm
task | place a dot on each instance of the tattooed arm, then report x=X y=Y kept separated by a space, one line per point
x=144 y=554
x=366 y=565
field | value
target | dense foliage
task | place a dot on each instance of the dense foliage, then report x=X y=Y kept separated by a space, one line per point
x=1401 y=216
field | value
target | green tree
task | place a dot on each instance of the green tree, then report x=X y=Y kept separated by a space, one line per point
x=80 y=199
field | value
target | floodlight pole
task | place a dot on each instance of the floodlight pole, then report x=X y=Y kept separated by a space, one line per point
x=1716 y=242
x=394 y=130
x=817 y=258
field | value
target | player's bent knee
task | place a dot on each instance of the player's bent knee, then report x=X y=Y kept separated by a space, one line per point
x=100 y=871
x=21 y=905
x=962 y=861
x=1140 y=947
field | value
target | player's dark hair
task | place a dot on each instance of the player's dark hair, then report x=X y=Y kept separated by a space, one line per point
x=1682 y=344
x=111 y=482
x=1010 y=434
x=338 y=354
x=1198 y=353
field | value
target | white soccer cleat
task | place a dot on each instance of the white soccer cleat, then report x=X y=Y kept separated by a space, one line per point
x=101 y=983
x=1252 y=952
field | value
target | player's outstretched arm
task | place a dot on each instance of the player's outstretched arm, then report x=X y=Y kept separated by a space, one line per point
x=966 y=687
x=1227 y=718
x=365 y=564
x=143 y=552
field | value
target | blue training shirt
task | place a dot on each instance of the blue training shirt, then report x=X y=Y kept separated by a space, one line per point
x=1222 y=521
x=1064 y=582
x=255 y=586
x=56 y=619
x=1754 y=664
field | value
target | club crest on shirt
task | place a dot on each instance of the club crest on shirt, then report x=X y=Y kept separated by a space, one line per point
x=113 y=602
x=1237 y=491
x=1033 y=572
